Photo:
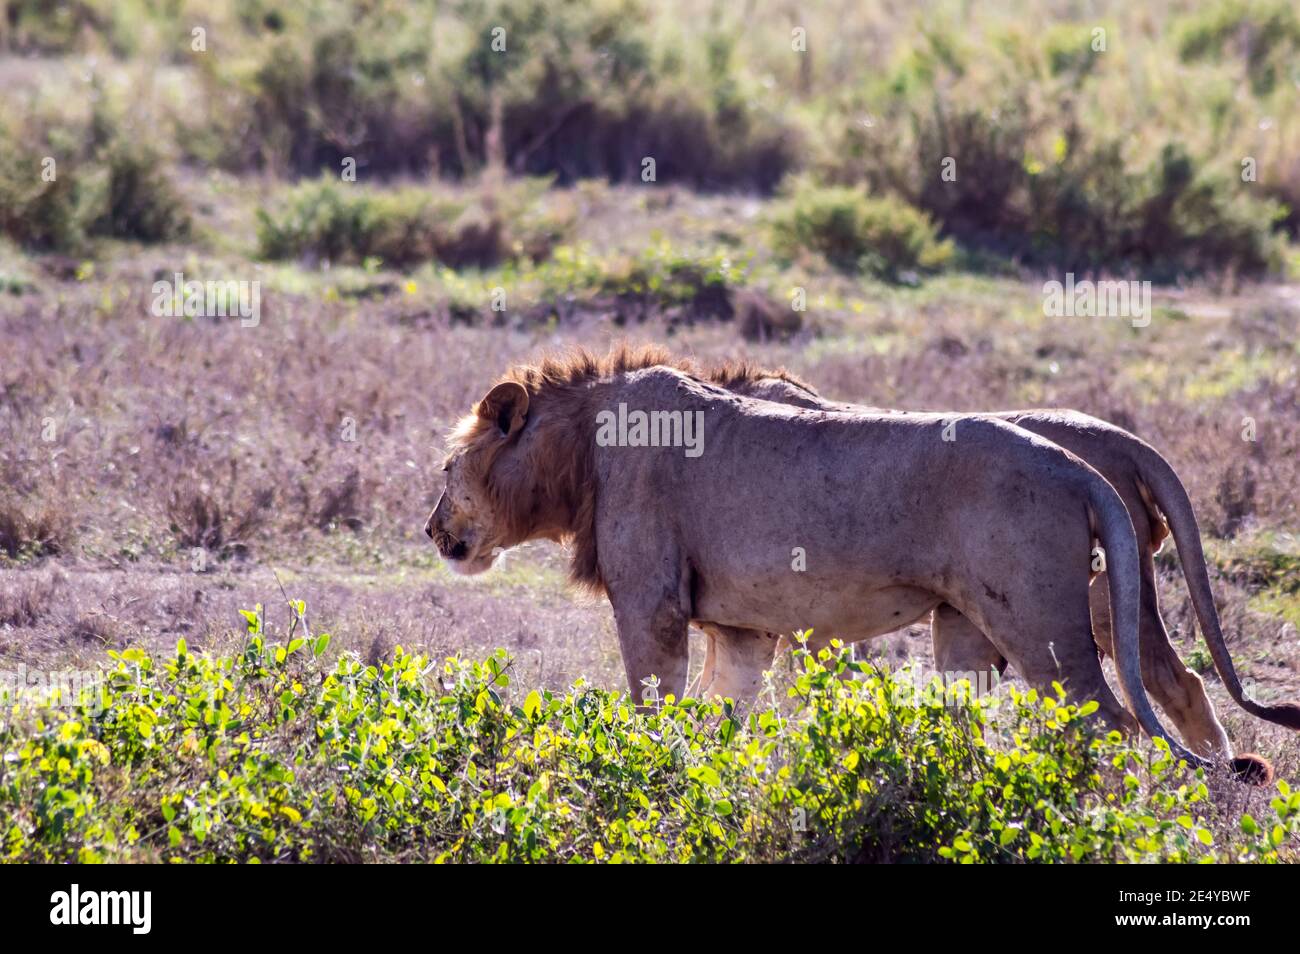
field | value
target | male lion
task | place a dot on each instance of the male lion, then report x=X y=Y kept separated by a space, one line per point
x=895 y=520
x=1156 y=501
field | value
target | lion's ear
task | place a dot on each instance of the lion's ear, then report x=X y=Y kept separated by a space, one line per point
x=506 y=405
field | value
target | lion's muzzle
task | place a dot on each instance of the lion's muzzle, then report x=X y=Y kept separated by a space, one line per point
x=448 y=546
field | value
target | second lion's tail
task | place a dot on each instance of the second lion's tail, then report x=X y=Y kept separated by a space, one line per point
x=1164 y=490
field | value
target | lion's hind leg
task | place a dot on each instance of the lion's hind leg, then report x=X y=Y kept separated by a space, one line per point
x=737 y=660
x=962 y=651
x=1049 y=642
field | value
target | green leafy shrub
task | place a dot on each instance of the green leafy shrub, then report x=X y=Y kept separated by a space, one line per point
x=41 y=27
x=1169 y=219
x=663 y=276
x=272 y=755
x=659 y=280
x=1012 y=148
x=106 y=184
x=35 y=213
x=33 y=26
x=409 y=225
x=856 y=232
x=1264 y=34
x=136 y=198
x=572 y=89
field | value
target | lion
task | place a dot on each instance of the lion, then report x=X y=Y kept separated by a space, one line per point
x=895 y=520
x=1157 y=503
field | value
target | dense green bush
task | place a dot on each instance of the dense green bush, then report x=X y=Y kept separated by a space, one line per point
x=572 y=89
x=107 y=183
x=32 y=26
x=348 y=223
x=1010 y=146
x=856 y=232
x=135 y=197
x=273 y=755
x=1169 y=219
x=35 y=213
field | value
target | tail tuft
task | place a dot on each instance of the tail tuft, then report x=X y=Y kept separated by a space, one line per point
x=1252 y=769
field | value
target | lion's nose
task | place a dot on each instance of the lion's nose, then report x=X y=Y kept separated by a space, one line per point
x=428 y=527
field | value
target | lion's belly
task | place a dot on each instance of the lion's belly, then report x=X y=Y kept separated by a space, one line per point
x=854 y=613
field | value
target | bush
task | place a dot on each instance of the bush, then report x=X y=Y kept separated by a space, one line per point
x=856 y=232
x=113 y=187
x=410 y=225
x=38 y=215
x=1170 y=219
x=1264 y=34
x=32 y=26
x=578 y=91
x=271 y=755
x=660 y=281
x=1038 y=170
x=136 y=198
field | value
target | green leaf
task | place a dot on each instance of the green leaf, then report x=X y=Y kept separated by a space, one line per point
x=533 y=704
x=706 y=775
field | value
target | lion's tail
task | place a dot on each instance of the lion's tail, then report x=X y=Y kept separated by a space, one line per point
x=1165 y=491
x=1110 y=524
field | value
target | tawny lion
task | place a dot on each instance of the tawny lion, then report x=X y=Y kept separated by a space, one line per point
x=896 y=521
x=1156 y=501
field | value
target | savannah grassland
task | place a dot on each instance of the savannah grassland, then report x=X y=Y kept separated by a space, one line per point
x=160 y=474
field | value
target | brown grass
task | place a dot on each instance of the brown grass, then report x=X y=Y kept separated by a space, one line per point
x=33 y=528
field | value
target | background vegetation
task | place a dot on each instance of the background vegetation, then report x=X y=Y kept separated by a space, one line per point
x=1111 y=139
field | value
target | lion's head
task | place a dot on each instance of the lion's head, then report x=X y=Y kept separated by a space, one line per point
x=474 y=520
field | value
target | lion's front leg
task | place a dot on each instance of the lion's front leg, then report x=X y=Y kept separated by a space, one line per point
x=652 y=636
x=648 y=580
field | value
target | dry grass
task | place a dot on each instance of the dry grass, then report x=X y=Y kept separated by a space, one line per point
x=33 y=528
